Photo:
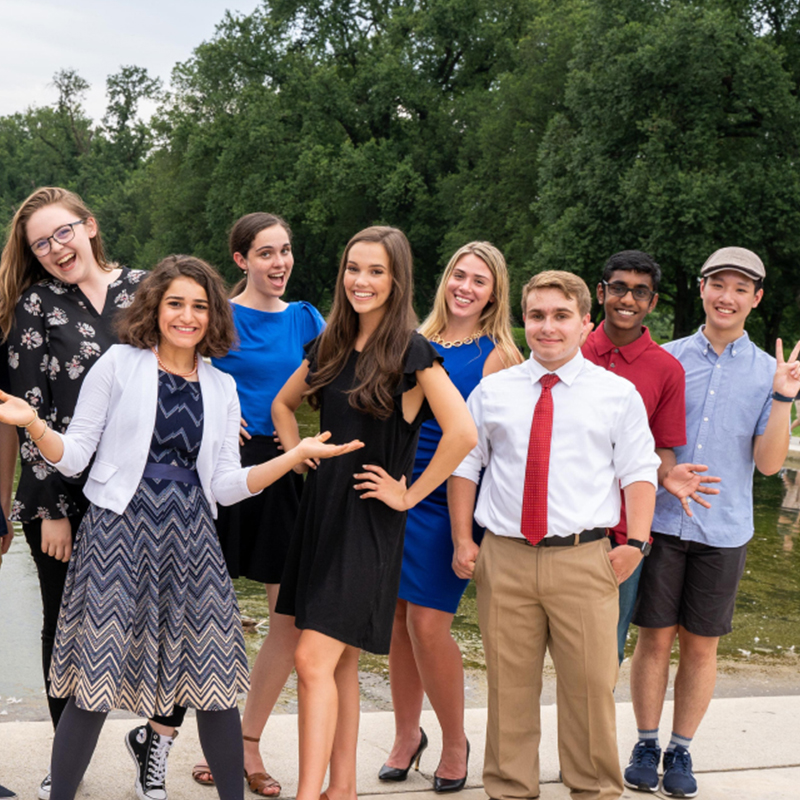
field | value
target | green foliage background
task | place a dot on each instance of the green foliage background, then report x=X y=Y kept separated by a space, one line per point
x=560 y=131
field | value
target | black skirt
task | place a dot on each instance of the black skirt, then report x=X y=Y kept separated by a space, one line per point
x=255 y=533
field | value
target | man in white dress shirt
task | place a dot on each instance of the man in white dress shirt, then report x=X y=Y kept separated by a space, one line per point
x=561 y=592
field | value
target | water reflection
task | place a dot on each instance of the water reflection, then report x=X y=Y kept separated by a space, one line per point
x=767 y=617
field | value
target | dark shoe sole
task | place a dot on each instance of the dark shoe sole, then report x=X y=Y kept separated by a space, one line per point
x=641 y=787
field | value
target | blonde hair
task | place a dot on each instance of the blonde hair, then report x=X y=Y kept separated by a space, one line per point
x=571 y=286
x=495 y=319
x=19 y=267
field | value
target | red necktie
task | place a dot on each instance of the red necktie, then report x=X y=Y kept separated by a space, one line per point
x=534 y=495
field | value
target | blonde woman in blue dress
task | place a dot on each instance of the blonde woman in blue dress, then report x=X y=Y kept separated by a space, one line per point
x=470 y=327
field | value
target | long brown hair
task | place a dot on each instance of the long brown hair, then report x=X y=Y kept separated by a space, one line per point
x=380 y=364
x=19 y=267
x=244 y=232
x=137 y=325
x=495 y=319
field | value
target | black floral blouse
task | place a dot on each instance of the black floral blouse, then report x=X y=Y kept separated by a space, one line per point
x=58 y=335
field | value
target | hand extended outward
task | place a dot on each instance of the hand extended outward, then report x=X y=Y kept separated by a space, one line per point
x=380 y=485
x=684 y=482
x=15 y=411
x=315 y=447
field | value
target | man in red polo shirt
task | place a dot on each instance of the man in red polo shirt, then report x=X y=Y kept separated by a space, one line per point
x=628 y=292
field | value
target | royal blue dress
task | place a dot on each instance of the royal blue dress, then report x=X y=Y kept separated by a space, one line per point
x=427 y=578
x=255 y=533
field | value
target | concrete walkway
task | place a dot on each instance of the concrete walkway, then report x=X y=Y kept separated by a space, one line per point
x=746 y=748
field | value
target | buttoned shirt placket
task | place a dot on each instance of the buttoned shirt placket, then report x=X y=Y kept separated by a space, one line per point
x=716 y=378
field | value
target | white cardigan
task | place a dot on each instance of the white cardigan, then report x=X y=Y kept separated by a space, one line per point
x=116 y=414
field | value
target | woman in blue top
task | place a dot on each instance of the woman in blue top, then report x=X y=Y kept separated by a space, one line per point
x=255 y=533
x=470 y=326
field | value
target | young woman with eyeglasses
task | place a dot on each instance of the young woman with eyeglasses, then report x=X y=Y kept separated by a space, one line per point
x=59 y=295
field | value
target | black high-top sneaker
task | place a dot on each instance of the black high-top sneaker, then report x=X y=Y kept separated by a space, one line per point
x=149 y=751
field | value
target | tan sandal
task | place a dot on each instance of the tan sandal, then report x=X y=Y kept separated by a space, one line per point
x=260 y=781
x=201 y=769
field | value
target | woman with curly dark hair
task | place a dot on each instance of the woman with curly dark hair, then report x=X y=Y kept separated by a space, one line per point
x=149 y=618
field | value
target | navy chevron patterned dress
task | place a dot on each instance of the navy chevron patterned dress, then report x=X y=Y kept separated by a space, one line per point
x=149 y=617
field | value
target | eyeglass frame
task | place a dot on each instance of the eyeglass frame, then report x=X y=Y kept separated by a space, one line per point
x=631 y=289
x=70 y=225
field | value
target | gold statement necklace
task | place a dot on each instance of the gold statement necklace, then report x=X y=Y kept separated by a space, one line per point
x=172 y=371
x=436 y=339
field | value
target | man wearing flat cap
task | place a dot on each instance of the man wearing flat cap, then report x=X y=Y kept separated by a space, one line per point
x=738 y=410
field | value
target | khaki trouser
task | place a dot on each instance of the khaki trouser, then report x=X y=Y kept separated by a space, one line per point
x=564 y=598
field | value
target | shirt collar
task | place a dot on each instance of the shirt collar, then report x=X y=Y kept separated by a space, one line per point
x=630 y=352
x=566 y=372
x=734 y=348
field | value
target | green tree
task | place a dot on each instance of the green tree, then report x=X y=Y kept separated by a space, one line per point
x=679 y=136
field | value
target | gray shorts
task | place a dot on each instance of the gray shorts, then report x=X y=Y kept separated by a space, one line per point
x=689 y=584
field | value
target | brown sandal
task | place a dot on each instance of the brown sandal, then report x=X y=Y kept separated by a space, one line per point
x=198 y=770
x=259 y=781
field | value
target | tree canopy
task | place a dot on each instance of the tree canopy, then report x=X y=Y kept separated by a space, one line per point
x=560 y=131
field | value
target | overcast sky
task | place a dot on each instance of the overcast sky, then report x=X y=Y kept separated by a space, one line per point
x=96 y=38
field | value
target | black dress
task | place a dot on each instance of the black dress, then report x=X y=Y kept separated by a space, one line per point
x=343 y=568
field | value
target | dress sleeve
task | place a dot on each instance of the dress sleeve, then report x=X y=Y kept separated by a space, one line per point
x=42 y=493
x=420 y=354
x=310 y=355
x=313 y=321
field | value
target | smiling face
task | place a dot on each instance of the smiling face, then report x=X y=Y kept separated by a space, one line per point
x=469 y=288
x=182 y=316
x=625 y=315
x=73 y=262
x=269 y=261
x=368 y=278
x=554 y=327
x=728 y=298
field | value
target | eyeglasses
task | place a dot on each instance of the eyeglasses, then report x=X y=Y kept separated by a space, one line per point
x=66 y=233
x=639 y=293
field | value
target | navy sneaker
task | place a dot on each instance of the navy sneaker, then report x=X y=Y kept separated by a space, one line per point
x=678 y=778
x=642 y=770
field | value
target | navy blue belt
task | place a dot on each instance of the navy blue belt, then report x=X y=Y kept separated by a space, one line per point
x=168 y=472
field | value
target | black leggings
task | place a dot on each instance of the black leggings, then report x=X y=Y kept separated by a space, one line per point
x=52 y=575
x=78 y=731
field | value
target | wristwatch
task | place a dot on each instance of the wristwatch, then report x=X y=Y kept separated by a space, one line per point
x=645 y=547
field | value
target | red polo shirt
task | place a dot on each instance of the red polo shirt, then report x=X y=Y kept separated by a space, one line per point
x=660 y=380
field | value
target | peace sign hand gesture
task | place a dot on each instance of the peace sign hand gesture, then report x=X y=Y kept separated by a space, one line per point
x=787 y=373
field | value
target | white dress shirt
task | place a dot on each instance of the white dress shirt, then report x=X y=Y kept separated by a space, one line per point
x=601 y=440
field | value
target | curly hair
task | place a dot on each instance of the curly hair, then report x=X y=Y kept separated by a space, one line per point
x=137 y=325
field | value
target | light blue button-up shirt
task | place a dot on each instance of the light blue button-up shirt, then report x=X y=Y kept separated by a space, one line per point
x=728 y=400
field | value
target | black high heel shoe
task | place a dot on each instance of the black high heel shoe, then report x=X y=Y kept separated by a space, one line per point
x=397 y=773
x=442 y=785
